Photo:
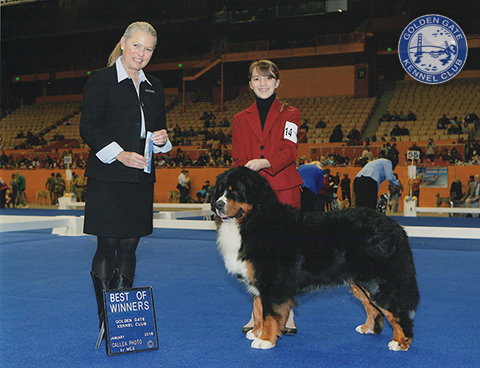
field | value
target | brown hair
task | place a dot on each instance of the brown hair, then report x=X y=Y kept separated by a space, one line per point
x=131 y=29
x=266 y=68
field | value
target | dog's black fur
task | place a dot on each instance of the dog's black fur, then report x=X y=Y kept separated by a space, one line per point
x=288 y=252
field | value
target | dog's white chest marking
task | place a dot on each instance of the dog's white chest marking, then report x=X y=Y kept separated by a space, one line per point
x=229 y=242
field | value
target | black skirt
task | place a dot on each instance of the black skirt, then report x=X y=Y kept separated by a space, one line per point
x=119 y=210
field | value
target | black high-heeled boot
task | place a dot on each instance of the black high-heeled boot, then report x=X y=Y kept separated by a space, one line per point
x=100 y=285
x=120 y=281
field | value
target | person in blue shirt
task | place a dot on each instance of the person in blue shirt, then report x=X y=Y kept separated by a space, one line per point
x=368 y=180
x=312 y=176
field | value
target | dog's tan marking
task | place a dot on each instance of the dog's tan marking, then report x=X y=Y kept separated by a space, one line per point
x=372 y=313
x=250 y=272
x=399 y=340
x=233 y=207
x=257 y=317
x=271 y=330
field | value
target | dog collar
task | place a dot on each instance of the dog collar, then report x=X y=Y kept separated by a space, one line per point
x=238 y=215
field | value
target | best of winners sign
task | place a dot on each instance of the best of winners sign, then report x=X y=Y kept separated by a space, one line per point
x=130 y=321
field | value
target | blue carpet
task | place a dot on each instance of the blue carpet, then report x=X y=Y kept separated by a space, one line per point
x=48 y=310
x=438 y=221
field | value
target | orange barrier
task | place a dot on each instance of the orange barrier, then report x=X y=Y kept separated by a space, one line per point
x=167 y=180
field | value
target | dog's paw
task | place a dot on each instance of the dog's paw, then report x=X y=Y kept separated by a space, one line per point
x=250 y=335
x=395 y=346
x=363 y=330
x=262 y=344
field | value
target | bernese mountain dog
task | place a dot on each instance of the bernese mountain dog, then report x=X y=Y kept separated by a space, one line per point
x=280 y=252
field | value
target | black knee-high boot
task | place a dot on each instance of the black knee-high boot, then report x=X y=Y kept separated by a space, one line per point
x=120 y=281
x=100 y=285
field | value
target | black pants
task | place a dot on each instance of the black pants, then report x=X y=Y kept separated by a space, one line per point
x=183 y=193
x=307 y=200
x=366 y=192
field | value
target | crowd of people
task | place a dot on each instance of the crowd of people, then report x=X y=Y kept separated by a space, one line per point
x=410 y=116
x=54 y=160
x=454 y=126
x=209 y=157
x=184 y=137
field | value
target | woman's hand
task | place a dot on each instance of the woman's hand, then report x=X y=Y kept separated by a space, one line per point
x=258 y=164
x=132 y=159
x=160 y=137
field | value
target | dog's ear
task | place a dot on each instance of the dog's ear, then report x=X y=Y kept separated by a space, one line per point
x=219 y=187
x=257 y=190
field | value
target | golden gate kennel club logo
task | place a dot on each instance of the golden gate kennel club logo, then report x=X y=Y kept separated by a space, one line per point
x=432 y=49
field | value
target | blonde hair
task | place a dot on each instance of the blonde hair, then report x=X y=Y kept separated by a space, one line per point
x=131 y=29
x=316 y=163
x=266 y=68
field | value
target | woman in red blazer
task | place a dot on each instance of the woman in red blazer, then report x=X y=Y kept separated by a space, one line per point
x=264 y=139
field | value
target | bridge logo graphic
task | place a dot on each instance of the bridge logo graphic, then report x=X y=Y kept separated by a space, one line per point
x=432 y=49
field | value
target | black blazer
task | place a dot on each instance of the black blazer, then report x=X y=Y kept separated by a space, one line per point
x=111 y=112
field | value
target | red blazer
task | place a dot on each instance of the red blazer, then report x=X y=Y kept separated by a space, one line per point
x=277 y=143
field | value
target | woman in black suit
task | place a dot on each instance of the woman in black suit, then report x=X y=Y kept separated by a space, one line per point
x=122 y=106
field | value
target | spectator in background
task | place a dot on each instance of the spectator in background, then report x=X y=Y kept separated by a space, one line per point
x=443 y=122
x=321 y=124
x=345 y=188
x=473 y=192
x=385 y=117
x=312 y=176
x=456 y=190
x=411 y=116
x=337 y=134
x=368 y=180
x=431 y=150
x=471 y=118
x=3 y=193
x=50 y=186
x=466 y=130
x=367 y=155
x=203 y=195
x=330 y=160
x=59 y=188
x=415 y=185
x=21 y=186
x=455 y=156
x=323 y=195
x=13 y=189
x=80 y=185
x=183 y=185
x=395 y=193
x=455 y=127
x=475 y=160
x=414 y=147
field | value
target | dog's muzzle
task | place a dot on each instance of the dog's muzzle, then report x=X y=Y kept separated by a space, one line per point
x=221 y=208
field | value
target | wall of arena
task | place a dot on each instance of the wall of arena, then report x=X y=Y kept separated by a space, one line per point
x=167 y=180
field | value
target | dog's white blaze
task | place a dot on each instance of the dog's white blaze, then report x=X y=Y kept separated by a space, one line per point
x=222 y=216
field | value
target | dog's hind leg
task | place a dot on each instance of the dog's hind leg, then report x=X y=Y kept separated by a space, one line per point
x=375 y=321
x=402 y=326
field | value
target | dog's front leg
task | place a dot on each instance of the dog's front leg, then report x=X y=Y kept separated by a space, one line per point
x=257 y=319
x=272 y=325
